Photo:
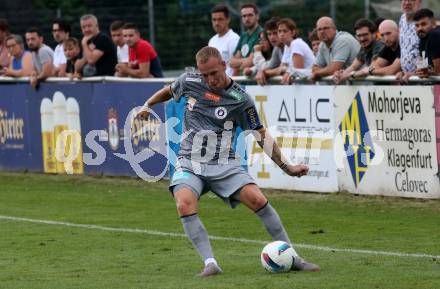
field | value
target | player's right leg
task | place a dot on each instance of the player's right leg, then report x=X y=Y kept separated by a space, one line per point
x=187 y=207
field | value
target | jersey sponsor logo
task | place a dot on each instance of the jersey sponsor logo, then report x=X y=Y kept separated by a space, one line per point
x=236 y=95
x=212 y=96
x=252 y=118
x=193 y=79
x=244 y=50
x=220 y=112
x=191 y=102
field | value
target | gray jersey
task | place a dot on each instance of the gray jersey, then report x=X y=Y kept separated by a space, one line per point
x=42 y=56
x=211 y=118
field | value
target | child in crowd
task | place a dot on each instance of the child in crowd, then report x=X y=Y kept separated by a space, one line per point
x=314 y=41
x=72 y=51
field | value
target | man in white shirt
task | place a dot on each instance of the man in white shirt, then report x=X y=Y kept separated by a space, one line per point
x=60 y=32
x=118 y=40
x=226 y=39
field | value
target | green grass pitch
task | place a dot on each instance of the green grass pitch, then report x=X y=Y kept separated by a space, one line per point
x=65 y=255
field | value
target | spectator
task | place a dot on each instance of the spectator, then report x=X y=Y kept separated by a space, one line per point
x=337 y=50
x=60 y=32
x=21 y=60
x=99 y=52
x=4 y=33
x=226 y=39
x=297 y=54
x=409 y=42
x=143 y=60
x=429 y=34
x=370 y=48
x=42 y=56
x=72 y=51
x=271 y=68
x=388 y=62
x=314 y=41
x=250 y=15
x=261 y=57
x=118 y=40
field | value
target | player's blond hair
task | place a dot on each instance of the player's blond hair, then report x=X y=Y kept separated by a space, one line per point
x=204 y=54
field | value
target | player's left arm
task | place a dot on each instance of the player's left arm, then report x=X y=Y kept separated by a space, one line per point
x=272 y=149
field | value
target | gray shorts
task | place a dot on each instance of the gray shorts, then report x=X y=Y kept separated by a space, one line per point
x=224 y=180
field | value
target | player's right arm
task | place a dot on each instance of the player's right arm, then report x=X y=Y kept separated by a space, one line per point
x=271 y=148
x=248 y=119
x=159 y=96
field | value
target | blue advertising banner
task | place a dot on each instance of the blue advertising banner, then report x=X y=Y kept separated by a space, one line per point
x=82 y=125
x=15 y=130
x=116 y=101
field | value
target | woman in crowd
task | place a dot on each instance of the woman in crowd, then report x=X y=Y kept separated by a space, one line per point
x=21 y=60
x=261 y=56
x=298 y=58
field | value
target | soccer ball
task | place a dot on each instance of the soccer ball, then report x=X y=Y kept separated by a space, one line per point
x=277 y=257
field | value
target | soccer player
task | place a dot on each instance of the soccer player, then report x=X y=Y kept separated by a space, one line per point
x=216 y=106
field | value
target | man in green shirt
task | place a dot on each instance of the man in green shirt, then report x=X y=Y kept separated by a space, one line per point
x=250 y=15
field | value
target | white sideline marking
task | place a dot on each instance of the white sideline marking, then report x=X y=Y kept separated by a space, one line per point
x=158 y=233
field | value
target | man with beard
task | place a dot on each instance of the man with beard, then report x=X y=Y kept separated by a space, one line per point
x=388 y=62
x=370 y=48
x=429 y=47
x=243 y=57
x=60 y=32
x=42 y=56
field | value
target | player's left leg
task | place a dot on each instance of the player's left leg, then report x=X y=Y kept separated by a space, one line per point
x=253 y=198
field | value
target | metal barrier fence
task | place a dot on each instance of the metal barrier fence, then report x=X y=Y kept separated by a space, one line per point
x=413 y=80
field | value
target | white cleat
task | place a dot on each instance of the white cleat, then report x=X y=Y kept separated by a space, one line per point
x=210 y=270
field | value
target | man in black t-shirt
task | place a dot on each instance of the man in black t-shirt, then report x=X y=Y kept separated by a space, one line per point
x=99 y=52
x=429 y=46
x=388 y=61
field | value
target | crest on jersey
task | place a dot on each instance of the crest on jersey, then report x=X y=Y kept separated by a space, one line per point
x=245 y=49
x=220 y=112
